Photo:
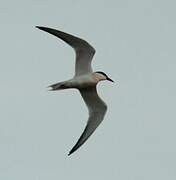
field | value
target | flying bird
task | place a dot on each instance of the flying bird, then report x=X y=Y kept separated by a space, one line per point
x=85 y=80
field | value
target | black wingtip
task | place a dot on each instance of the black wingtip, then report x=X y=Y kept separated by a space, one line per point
x=72 y=151
x=43 y=28
x=46 y=29
x=40 y=27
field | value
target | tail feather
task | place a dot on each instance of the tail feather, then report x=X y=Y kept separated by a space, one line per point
x=57 y=86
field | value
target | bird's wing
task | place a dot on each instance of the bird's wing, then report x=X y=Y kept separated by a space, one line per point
x=97 y=109
x=84 y=51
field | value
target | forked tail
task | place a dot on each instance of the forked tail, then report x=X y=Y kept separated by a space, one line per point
x=57 y=86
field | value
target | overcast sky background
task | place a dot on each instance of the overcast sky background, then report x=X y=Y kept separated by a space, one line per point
x=135 y=45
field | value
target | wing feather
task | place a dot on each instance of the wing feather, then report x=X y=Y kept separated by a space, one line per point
x=97 y=110
x=84 y=51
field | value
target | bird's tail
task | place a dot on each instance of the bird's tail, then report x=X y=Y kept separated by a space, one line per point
x=57 y=86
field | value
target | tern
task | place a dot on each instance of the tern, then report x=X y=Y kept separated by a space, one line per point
x=85 y=80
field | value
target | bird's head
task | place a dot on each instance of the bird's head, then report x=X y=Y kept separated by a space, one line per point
x=102 y=76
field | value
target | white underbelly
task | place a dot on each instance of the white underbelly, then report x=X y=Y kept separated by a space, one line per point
x=83 y=82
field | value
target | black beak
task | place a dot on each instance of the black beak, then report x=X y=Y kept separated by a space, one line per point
x=109 y=79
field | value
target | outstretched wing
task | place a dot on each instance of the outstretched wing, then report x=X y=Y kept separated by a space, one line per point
x=97 y=110
x=84 y=51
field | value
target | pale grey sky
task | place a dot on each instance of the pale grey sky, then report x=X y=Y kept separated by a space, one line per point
x=135 y=45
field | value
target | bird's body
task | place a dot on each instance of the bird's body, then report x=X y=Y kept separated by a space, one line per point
x=78 y=82
x=85 y=80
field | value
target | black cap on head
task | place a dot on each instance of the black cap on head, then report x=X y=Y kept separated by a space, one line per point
x=100 y=72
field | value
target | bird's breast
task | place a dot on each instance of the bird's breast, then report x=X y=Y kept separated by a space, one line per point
x=83 y=82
